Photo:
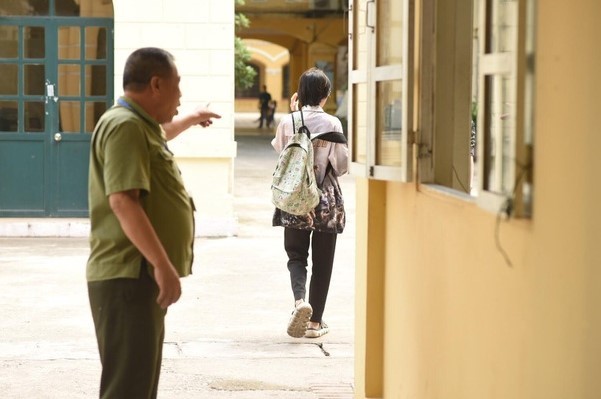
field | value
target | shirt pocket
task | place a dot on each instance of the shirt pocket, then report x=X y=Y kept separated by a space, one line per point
x=164 y=168
x=165 y=160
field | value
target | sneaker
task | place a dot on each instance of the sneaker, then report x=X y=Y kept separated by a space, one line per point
x=323 y=329
x=299 y=319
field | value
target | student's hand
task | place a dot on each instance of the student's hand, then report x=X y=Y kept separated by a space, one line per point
x=294 y=102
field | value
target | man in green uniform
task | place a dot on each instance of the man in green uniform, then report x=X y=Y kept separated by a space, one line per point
x=142 y=224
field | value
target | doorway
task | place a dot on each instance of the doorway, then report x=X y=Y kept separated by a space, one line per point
x=56 y=80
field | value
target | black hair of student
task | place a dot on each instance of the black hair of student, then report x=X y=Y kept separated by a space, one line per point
x=313 y=86
x=143 y=64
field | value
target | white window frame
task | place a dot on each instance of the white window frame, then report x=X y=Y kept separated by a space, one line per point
x=371 y=75
x=519 y=67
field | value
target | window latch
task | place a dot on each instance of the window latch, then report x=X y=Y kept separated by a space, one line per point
x=370 y=15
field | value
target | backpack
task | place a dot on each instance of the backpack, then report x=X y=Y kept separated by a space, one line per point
x=293 y=188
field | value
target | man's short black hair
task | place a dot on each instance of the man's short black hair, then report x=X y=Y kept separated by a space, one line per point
x=313 y=86
x=143 y=64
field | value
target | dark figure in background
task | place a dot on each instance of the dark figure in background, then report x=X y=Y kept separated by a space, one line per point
x=273 y=105
x=264 y=99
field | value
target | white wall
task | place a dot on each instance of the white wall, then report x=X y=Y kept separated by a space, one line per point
x=200 y=34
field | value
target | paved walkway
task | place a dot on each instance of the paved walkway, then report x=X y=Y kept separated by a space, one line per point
x=226 y=337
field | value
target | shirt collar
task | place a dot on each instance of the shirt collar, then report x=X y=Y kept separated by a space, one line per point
x=314 y=108
x=136 y=109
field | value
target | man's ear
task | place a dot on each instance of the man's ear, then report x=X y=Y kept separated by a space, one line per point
x=155 y=84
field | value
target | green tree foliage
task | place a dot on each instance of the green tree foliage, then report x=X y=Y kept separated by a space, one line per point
x=244 y=73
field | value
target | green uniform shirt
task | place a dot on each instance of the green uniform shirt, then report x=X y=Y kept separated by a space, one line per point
x=128 y=151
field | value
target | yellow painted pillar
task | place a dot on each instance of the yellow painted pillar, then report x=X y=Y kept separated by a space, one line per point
x=369 y=312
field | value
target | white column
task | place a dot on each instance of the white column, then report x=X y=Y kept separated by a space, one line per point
x=200 y=34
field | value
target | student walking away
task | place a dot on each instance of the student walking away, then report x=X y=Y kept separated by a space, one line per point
x=264 y=99
x=317 y=230
x=142 y=224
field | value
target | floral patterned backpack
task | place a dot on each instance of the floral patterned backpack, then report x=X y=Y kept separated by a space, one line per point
x=293 y=188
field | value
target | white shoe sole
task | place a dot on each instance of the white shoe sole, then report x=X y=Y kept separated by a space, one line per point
x=297 y=326
x=316 y=333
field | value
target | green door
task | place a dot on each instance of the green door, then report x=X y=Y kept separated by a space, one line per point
x=56 y=78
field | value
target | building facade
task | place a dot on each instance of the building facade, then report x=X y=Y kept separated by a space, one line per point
x=61 y=65
x=477 y=255
x=314 y=35
x=272 y=64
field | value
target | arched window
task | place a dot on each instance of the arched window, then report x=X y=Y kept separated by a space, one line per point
x=255 y=89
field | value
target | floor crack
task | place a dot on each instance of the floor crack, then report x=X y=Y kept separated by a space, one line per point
x=324 y=351
x=178 y=347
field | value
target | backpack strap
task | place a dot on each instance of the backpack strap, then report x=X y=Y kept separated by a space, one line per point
x=334 y=137
x=302 y=128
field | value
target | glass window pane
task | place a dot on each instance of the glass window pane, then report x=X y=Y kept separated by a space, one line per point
x=499 y=146
x=9 y=39
x=34 y=116
x=67 y=8
x=388 y=123
x=94 y=110
x=69 y=43
x=10 y=79
x=69 y=78
x=9 y=114
x=34 y=44
x=95 y=43
x=69 y=116
x=361 y=35
x=24 y=7
x=360 y=123
x=88 y=8
x=502 y=23
x=95 y=80
x=34 y=76
x=390 y=32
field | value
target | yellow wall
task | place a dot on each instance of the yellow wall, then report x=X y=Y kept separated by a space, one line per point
x=271 y=58
x=458 y=322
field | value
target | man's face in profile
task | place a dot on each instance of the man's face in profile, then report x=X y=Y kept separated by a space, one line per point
x=170 y=95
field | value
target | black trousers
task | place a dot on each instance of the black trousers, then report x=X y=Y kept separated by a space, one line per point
x=323 y=246
x=130 y=328
x=264 y=117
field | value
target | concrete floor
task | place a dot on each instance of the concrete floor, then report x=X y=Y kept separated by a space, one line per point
x=226 y=337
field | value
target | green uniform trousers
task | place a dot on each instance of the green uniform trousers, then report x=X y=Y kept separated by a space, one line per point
x=130 y=328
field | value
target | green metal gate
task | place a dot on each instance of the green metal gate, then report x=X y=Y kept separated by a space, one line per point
x=56 y=79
